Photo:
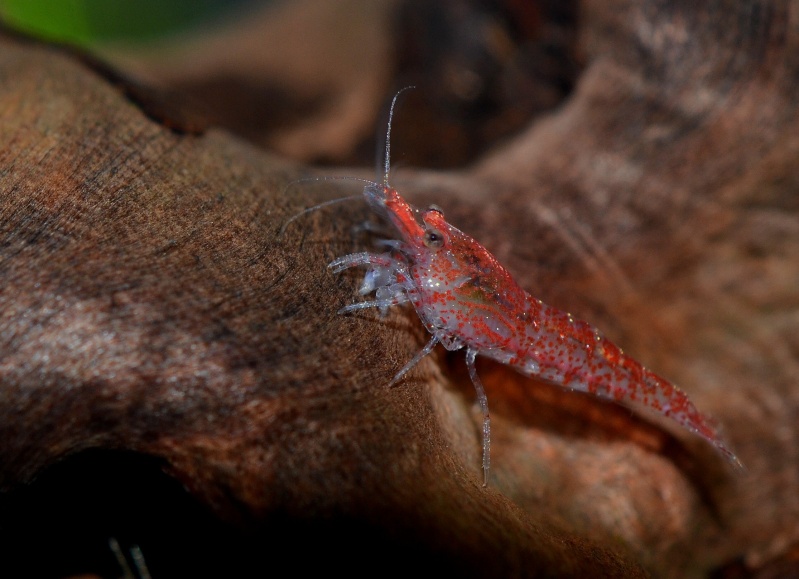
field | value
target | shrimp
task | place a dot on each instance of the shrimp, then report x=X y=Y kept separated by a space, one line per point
x=467 y=300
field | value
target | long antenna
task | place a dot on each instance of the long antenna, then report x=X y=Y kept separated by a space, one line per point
x=335 y=178
x=326 y=203
x=388 y=133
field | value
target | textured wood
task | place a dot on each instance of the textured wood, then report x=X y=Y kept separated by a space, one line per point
x=148 y=305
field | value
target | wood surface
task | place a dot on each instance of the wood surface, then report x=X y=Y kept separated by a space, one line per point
x=150 y=310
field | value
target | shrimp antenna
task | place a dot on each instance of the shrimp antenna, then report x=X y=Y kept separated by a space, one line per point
x=387 y=167
x=325 y=203
x=387 y=160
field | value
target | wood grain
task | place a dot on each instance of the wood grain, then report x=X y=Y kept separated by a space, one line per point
x=149 y=306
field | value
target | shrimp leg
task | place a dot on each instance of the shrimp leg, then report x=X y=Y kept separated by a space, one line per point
x=415 y=360
x=363 y=258
x=394 y=300
x=482 y=400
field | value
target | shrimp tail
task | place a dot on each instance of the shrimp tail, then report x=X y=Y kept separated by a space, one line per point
x=630 y=381
x=574 y=354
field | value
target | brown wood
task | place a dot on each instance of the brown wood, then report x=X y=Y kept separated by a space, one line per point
x=149 y=305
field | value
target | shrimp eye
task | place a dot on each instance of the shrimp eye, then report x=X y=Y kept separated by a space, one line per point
x=435 y=208
x=433 y=239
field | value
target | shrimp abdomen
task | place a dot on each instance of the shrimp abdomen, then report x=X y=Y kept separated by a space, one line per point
x=573 y=354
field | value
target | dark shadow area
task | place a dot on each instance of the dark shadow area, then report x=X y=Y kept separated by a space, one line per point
x=61 y=524
x=484 y=71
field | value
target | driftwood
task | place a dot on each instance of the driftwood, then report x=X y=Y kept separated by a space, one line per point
x=152 y=318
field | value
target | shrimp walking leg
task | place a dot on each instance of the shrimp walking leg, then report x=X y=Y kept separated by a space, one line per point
x=382 y=304
x=415 y=360
x=482 y=401
x=363 y=258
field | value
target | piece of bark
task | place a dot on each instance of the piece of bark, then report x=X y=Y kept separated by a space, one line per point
x=150 y=306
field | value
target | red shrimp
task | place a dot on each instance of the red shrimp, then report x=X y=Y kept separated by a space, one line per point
x=466 y=299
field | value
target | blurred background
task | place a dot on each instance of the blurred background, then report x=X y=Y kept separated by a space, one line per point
x=91 y=23
x=310 y=79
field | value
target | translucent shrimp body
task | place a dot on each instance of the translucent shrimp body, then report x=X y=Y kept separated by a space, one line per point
x=466 y=299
